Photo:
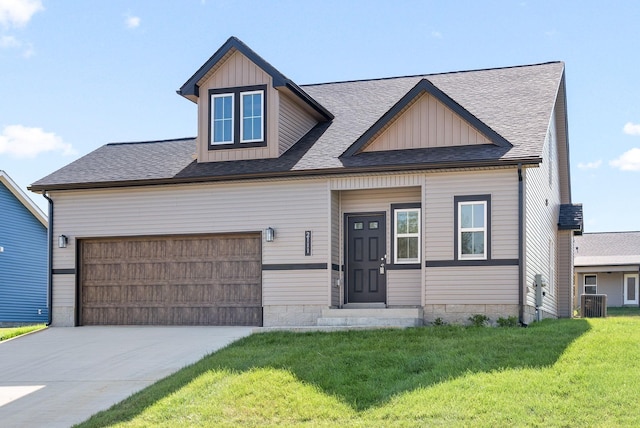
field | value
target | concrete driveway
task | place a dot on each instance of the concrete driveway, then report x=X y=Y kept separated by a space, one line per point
x=61 y=376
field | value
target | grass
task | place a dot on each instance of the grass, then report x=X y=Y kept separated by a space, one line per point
x=11 y=332
x=580 y=372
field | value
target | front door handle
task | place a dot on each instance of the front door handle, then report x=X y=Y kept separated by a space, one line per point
x=381 y=269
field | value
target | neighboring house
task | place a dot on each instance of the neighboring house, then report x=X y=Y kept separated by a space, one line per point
x=608 y=263
x=431 y=196
x=23 y=257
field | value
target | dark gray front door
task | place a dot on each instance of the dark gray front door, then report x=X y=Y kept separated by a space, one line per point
x=365 y=249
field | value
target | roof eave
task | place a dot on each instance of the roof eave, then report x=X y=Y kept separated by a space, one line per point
x=425 y=85
x=191 y=89
x=287 y=174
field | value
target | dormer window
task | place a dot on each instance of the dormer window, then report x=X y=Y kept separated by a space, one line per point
x=237 y=117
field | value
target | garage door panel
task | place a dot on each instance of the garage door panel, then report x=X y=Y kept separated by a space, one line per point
x=205 y=280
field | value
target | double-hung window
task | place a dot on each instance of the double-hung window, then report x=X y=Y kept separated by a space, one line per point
x=237 y=117
x=590 y=284
x=251 y=126
x=406 y=234
x=473 y=226
x=222 y=119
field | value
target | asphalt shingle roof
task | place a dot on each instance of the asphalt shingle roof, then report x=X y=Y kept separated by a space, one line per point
x=515 y=102
x=571 y=217
x=610 y=248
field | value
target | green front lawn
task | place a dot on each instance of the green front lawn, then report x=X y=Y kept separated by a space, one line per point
x=580 y=372
x=10 y=332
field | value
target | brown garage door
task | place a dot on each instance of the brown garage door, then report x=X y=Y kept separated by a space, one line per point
x=185 y=280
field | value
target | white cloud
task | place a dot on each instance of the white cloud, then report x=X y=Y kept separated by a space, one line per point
x=436 y=34
x=590 y=165
x=23 y=142
x=628 y=161
x=17 y=13
x=9 y=42
x=132 y=21
x=631 y=128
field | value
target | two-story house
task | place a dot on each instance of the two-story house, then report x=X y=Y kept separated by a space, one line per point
x=407 y=199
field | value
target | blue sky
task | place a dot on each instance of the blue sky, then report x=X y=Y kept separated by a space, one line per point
x=75 y=75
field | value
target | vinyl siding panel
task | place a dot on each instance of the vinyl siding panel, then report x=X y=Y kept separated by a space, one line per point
x=336 y=230
x=295 y=287
x=358 y=182
x=472 y=285
x=237 y=71
x=565 y=274
x=23 y=263
x=542 y=207
x=441 y=189
x=406 y=287
x=426 y=123
x=290 y=207
x=293 y=123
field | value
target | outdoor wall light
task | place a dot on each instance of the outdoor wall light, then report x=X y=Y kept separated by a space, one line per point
x=269 y=234
x=62 y=241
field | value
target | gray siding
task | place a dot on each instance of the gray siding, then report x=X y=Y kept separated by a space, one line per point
x=290 y=207
x=542 y=206
x=441 y=189
x=493 y=285
x=565 y=274
x=336 y=229
x=293 y=123
x=405 y=287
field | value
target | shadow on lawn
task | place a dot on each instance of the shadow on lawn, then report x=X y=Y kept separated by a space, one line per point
x=366 y=368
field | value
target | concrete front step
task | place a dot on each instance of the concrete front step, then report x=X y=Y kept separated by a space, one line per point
x=410 y=317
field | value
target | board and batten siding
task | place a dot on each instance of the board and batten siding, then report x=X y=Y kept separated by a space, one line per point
x=290 y=207
x=23 y=262
x=293 y=123
x=478 y=284
x=236 y=71
x=402 y=286
x=426 y=123
x=542 y=209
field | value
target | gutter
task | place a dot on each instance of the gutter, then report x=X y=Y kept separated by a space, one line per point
x=50 y=262
x=282 y=174
x=521 y=279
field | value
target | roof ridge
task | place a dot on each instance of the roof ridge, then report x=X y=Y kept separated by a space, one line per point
x=122 y=143
x=426 y=76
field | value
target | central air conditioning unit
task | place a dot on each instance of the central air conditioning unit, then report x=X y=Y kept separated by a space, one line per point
x=593 y=305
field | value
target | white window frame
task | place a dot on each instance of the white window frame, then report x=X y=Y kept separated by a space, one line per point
x=397 y=235
x=584 y=283
x=483 y=229
x=213 y=120
x=242 y=117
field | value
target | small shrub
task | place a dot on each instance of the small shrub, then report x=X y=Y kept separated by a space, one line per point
x=479 y=320
x=439 y=322
x=511 y=321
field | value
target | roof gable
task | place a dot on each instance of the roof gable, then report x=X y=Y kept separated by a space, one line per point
x=191 y=88
x=21 y=196
x=423 y=87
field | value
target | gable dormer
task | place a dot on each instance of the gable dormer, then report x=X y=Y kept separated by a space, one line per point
x=246 y=108
x=424 y=118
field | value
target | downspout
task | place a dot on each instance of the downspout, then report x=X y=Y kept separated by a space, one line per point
x=50 y=261
x=521 y=295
